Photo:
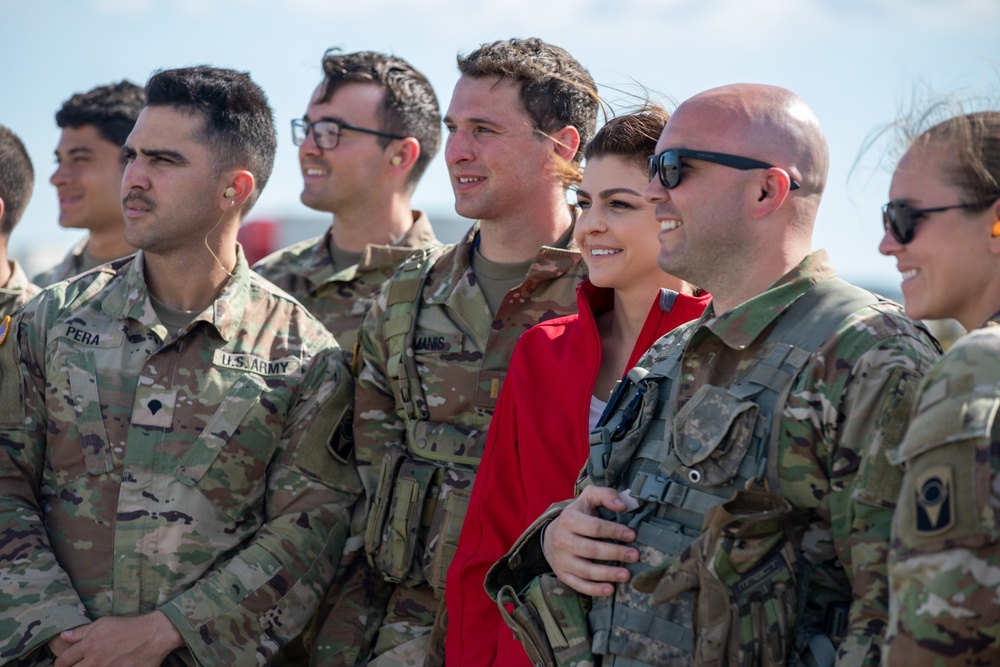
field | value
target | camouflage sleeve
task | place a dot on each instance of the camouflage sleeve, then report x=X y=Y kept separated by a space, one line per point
x=526 y=559
x=377 y=426
x=944 y=566
x=264 y=595
x=39 y=600
x=857 y=411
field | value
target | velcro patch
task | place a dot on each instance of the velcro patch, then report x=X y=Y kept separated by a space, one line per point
x=154 y=407
x=934 y=491
x=254 y=364
x=425 y=342
x=90 y=336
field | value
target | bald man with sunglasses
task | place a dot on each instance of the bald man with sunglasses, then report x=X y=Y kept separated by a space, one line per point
x=737 y=501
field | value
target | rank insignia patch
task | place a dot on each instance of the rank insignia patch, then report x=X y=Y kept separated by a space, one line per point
x=4 y=326
x=934 y=494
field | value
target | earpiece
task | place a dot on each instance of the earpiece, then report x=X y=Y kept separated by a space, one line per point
x=996 y=229
x=396 y=161
x=229 y=192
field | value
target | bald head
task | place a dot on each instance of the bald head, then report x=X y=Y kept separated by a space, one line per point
x=764 y=122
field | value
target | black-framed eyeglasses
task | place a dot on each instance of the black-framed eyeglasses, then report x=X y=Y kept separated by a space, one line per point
x=326 y=133
x=667 y=165
x=901 y=220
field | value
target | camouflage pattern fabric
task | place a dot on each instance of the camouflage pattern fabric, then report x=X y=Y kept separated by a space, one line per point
x=462 y=353
x=339 y=300
x=198 y=475
x=944 y=563
x=73 y=264
x=846 y=407
x=17 y=292
x=742 y=568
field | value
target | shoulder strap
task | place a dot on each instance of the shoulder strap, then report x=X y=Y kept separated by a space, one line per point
x=402 y=301
x=803 y=328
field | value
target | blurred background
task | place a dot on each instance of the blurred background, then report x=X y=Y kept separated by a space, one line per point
x=858 y=63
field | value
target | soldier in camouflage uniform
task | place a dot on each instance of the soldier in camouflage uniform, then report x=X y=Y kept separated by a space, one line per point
x=372 y=127
x=17 y=179
x=88 y=175
x=172 y=487
x=518 y=118
x=943 y=228
x=741 y=227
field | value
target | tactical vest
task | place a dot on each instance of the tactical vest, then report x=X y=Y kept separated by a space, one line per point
x=724 y=439
x=424 y=489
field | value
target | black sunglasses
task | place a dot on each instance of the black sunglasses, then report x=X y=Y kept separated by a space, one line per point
x=326 y=133
x=901 y=220
x=667 y=165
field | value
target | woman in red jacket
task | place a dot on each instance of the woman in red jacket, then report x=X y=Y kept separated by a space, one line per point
x=561 y=375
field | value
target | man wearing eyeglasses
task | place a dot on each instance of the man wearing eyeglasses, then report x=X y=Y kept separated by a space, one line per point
x=436 y=344
x=371 y=128
x=736 y=505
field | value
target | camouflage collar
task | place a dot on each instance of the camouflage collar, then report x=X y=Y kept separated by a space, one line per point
x=316 y=264
x=129 y=298
x=549 y=263
x=17 y=290
x=742 y=325
x=18 y=281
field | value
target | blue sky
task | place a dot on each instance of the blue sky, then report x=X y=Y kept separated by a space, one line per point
x=856 y=62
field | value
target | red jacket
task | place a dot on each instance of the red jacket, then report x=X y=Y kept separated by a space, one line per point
x=535 y=448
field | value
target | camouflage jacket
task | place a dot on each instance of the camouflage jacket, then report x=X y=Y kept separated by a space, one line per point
x=190 y=475
x=71 y=265
x=846 y=408
x=17 y=292
x=339 y=300
x=944 y=563
x=462 y=352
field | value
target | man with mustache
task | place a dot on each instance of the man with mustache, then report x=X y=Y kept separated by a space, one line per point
x=169 y=422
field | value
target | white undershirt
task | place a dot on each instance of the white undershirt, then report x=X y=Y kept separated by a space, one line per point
x=596 y=410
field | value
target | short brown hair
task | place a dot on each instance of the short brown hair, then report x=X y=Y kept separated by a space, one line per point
x=409 y=106
x=556 y=90
x=17 y=179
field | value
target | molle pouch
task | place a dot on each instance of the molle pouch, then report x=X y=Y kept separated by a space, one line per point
x=742 y=570
x=712 y=435
x=613 y=445
x=446 y=443
x=549 y=619
x=948 y=498
x=393 y=533
x=446 y=525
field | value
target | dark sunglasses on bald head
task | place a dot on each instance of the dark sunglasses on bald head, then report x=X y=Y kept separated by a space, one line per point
x=667 y=165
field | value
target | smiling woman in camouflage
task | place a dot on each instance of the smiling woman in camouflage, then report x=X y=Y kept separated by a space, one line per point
x=942 y=225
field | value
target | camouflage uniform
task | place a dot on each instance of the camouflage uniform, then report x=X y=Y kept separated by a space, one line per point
x=462 y=353
x=846 y=407
x=71 y=265
x=190 y=475
x=339 y=300
x=17 y=292
x=944 y=563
